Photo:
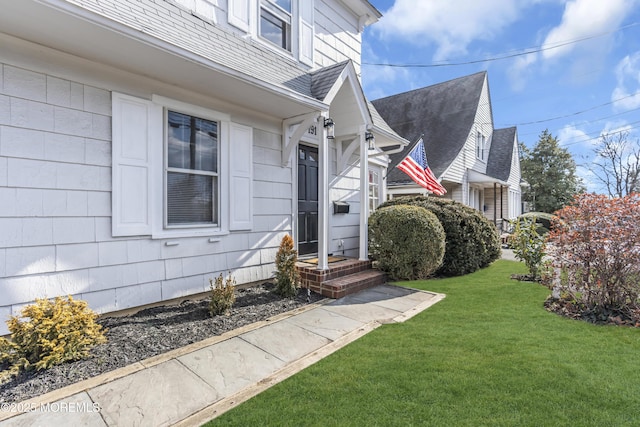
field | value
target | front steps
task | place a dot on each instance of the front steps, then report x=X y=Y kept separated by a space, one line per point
x=342 y=278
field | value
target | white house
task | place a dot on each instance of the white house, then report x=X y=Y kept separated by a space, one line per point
x=477 y=164
x=148 y=145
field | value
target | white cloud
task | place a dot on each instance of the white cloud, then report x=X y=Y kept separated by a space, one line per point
x=450 y=25
x=379 y=82
x=625 y=96
x=616 y=127
x=572 y=135
x=585 y=18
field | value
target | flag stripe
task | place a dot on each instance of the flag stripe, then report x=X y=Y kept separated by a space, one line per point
x=415 y=165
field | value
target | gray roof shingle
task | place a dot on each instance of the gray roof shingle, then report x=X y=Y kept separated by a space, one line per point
x=501 y=153
x=444 y=113
x=323 y=80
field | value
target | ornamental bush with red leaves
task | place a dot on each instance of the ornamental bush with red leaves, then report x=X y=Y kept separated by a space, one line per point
x=594 y=249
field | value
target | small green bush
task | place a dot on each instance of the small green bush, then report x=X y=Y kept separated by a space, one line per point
x=406 y=241
x=472 y=241
x=528 y=244
x=49 y=333
x=222 y=295
x=287 y=275
x=543 y=221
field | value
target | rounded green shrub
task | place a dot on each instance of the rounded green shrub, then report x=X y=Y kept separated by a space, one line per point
x=472 y=241
x=406 y=241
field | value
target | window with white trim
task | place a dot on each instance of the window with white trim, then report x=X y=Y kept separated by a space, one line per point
x=179 y=170
x=286 y=25
x=481 y=145
x=374 y=190
x=275 y=22
x=191 y=170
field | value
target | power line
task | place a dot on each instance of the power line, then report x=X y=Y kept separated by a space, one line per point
x=527 y=51
x=600 y=133
x=590 y=121
x=577 y=112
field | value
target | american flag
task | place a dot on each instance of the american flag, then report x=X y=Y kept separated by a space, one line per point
x=415 y=165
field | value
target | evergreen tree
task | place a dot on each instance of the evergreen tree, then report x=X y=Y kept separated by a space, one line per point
x=550 y=172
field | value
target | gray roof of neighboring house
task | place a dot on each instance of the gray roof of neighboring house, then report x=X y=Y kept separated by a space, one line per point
x=444 y=113
x=378 y=120
x=501 y=153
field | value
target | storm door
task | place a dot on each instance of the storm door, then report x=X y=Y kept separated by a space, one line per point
x=307 y=200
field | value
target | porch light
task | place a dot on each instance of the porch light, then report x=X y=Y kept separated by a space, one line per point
x=328 y=123
x=371 y=140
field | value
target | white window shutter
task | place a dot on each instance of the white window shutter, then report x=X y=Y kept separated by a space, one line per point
x=241 y=177
x=131 y=172
x=306 y=32
x=238 y=14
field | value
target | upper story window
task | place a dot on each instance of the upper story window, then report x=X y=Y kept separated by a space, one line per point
x=275 y=22
x=287 y=25
x=481 y=146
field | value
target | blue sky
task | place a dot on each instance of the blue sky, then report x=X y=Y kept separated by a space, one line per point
x=582 y=80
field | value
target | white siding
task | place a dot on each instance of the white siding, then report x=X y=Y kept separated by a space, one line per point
x=337 y=35
x=466 y=159
x=344 y=229
x=55 y=217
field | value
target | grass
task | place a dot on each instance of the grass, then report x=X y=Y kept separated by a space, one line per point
x=487 y=355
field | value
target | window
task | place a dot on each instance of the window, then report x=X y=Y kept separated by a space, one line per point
x=481 y=145
x=179 y=170
x=287 y=25
x=191 y=171
x=275 y=22
x=374 y=191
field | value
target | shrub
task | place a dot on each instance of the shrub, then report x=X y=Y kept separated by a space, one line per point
x=287 y=276
x=222 y=295
x=528 y=245
x=406 y=241
x=542 y=219
x=595 y=267
x=472 y=241
x=48 y=333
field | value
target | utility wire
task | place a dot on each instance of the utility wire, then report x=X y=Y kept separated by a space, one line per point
x=590 y=121
x=577 y=112
x=527 y=51
x=600 y=133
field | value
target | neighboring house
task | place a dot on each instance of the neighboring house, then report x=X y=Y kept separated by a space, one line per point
x=148 y=145
x=477 y=164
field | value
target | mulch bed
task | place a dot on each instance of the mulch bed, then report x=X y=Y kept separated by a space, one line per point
x=151 y=332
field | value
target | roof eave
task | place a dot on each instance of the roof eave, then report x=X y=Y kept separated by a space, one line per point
x=99 y=39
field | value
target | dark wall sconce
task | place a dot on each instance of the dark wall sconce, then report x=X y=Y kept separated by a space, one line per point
x=371 y=140
x=328 y=123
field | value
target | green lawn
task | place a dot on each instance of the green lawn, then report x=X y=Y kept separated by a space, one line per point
x=487 y=355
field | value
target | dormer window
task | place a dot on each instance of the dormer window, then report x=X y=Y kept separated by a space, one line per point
x=275 y=22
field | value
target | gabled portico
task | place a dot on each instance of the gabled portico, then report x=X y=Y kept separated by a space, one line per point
x=351 y=139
